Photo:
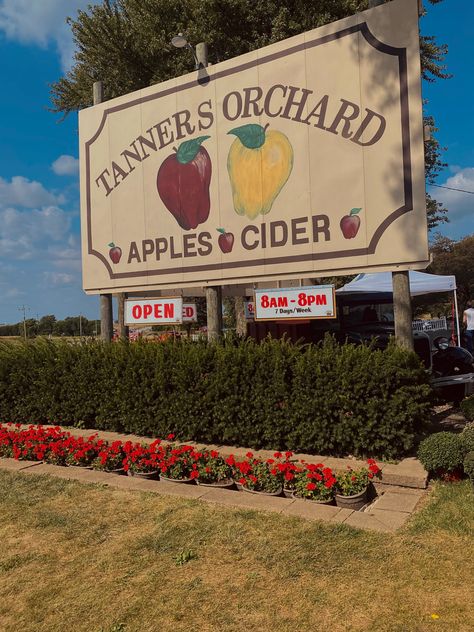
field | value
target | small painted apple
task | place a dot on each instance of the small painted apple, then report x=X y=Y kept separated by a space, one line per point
x=225 y=241
x=115 y=253
x=350 y=223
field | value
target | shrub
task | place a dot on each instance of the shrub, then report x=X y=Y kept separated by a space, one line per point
x=325 y=398
x=441 y=453
x=467 y=438
x=469 y=465
x=467 y=407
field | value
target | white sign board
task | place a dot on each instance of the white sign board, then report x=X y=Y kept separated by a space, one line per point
x=317 y=301
x=298 y=160
x=189 y=313
x=159 y=311
x=249 y=310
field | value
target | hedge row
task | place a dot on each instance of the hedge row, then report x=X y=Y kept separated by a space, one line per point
x=323 y=399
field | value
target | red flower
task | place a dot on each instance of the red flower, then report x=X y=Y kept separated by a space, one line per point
x=230 y=460
x=278 y=455
x=170 y=437
x=311 y=486
x=289 y=476
x=214 y=454
x=253 y=478
x=288 y=455
x=194 y=474
x=249 y=455
x=243 y=481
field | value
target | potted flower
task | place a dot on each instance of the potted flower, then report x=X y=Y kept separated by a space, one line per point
x=316 y=483
x=179 y=464
x=82 y=452
x=213 y=470
x=352 y=486
x=259 y=477
x=142 y=461
x=110 y=458
x=57 y=453
x=288 y=471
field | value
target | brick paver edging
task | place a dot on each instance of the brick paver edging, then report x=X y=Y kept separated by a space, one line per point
x=388 y=513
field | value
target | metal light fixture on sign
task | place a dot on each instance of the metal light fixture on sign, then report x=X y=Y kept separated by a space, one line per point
x=180 y=41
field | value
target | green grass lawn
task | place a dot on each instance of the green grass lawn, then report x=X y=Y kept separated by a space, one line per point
x=80 y=557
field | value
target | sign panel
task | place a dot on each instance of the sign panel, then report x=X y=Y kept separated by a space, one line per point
x=297 y=160
x=249 y=310
x=189 y=313
x=160 y=311
x=317 y=301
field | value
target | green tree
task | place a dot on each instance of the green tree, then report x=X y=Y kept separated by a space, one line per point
x=455 y=257
x=46 y=324
x=126 y=44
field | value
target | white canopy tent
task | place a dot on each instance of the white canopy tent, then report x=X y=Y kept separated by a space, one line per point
x=420 y=283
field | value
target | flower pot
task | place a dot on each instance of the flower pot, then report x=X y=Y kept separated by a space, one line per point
x=166 y=479
x=226 y=483
x=288 y=493
x=239 y=486
x=354 y=502
x=120 y=471
x=330 y=501
x=145 y=475
x=262 y=493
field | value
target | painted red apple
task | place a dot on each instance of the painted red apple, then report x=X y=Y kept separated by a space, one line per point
x=225 y=241
x=183 y=181
x=350 y=223
x=115 y=253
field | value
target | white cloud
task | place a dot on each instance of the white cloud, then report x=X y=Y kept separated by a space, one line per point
x=66 y=166
x=41 y=22
x=460 y=205
x=27 y=234
x=26 y=193
x=58 y=278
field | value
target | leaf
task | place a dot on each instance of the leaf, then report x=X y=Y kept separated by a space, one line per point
x=112 y=245
x=188 y=150
x=355 y=211
x=251 y=136
x=221 y=230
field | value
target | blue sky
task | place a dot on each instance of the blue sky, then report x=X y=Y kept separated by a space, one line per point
x=39 y=195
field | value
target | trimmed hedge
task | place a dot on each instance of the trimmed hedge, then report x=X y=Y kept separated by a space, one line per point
x=325 y=399
x=441 y=453
x=467 y=407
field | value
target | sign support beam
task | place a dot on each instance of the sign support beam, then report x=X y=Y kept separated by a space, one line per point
x=106 y=318
x=402 y=311
x=213 y=293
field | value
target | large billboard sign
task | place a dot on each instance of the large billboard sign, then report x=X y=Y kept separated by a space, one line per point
x=296 y=160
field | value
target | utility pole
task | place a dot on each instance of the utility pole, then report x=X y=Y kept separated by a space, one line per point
x=106 y=324
x=214 y=292
x=23 y=309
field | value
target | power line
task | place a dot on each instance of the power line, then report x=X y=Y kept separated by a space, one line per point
x=440 y=186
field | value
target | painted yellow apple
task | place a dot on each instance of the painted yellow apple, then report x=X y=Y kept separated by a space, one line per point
x=259 y=164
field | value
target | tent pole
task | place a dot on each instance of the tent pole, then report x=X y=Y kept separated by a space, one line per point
x=457 y=316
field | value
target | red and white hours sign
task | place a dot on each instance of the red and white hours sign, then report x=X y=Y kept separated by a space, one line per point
x=317 y=301
x=157 y=311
